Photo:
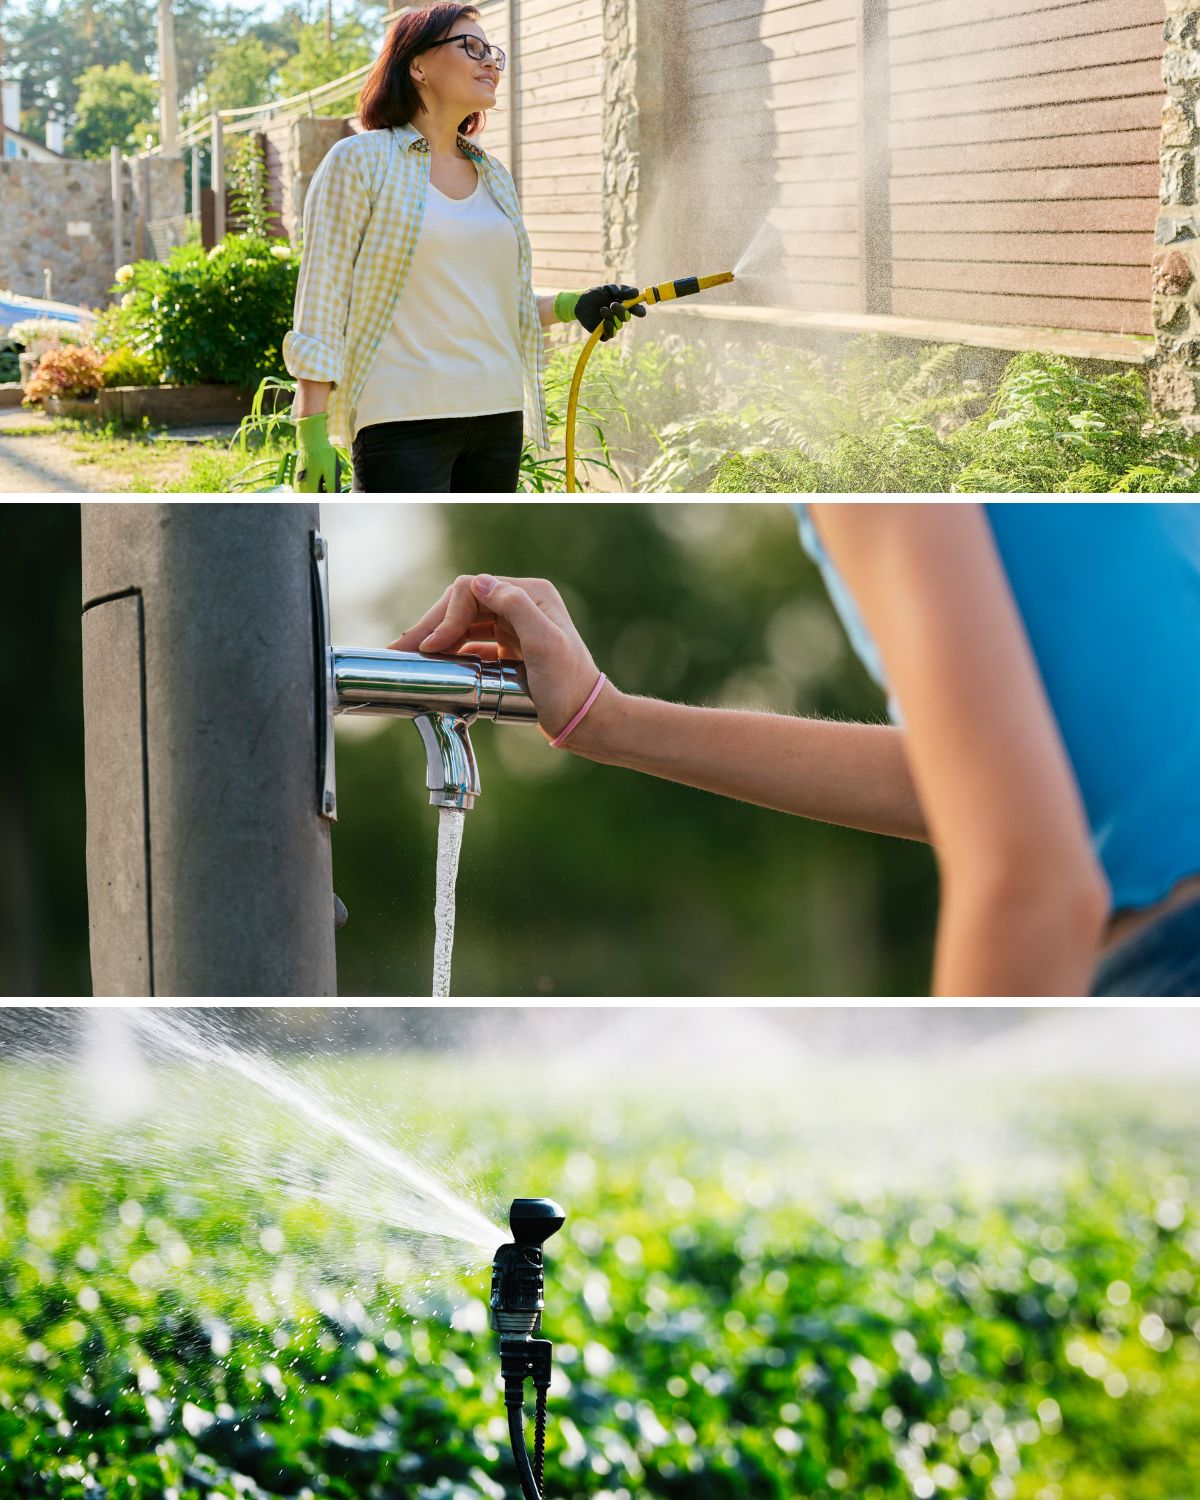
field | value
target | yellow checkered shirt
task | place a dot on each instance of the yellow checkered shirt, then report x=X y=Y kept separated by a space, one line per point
x=362 y=217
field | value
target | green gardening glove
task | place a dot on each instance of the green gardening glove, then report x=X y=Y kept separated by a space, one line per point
x=316 y=462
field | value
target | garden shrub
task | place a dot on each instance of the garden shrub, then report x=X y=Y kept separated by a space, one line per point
x=73 y=371
x=1049 y=429
x=126 y=367
x=10 y=367
x=215 y=315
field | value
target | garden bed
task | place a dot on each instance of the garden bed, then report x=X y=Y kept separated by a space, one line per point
x=174 y=405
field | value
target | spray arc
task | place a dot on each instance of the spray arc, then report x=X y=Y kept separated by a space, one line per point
x=517 y=1300
x=666 y=291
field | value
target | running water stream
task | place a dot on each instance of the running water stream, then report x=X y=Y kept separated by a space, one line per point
x=417 y=1202
x=450 y=832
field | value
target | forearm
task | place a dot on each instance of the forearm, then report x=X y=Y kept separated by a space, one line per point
x=1027 y=936
x=312 y=397
x=852 y=774
x=546 y=314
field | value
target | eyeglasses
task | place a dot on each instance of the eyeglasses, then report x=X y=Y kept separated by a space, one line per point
x=476 y=50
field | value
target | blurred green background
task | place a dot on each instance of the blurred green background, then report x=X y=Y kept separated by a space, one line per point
x=962 y=1267
x=576 y=879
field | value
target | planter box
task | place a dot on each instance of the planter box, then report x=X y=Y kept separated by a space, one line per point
x=175 y=405
x=11 y=394
x=83 y=407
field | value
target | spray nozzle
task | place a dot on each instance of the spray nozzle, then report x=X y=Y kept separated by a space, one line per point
x=684 y=286
x=534 y=1220
x=517 y=1300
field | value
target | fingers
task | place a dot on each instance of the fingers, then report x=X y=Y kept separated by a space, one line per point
x=517 y=610
x=449 y=619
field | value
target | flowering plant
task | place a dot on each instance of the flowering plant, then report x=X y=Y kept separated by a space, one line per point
x=40 y=334
x=70 y=371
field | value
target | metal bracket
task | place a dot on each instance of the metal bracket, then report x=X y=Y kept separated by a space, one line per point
x=326 y=691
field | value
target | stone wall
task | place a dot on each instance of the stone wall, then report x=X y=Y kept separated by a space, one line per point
x=294 y=150
x=57 y=215
x=1175 y=376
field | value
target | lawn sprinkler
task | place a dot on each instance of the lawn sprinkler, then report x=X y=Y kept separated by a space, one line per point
x=518 y=1296
x=668 y=291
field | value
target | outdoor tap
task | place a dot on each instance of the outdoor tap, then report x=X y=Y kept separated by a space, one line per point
x=442 y=695
x=517 y=1300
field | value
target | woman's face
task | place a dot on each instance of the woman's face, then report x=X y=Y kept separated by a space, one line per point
x=447 y=76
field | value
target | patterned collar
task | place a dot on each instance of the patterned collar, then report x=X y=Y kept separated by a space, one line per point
x=413 y=140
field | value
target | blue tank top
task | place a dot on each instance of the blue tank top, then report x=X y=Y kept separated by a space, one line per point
x=1110 y=599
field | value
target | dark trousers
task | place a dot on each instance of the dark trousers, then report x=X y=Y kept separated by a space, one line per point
x=1160 y=960
x=447 y=454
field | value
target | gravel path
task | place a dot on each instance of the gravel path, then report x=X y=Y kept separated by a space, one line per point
x=56 y=464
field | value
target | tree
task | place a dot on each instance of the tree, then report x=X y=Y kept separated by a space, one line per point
x=242 y=73
x=317 y=61
x=50 y=43
x=112 y=103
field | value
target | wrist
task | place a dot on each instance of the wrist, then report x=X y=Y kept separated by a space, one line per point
x=565 y=304
x=597 y=734
x=313 y=426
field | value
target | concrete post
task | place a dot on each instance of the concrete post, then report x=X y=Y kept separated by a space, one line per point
x=1175 y=375
x=168 y=85
x=208 y=863
x=117 y=168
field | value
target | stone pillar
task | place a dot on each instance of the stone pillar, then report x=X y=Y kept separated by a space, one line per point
x=622 y=166
x=302 y=144
x=1175 y=374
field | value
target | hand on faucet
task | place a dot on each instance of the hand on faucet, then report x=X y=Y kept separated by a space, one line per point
x=522 y=619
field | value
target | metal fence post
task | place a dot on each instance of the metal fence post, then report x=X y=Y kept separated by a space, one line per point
x=218 y=179
x=209 y=869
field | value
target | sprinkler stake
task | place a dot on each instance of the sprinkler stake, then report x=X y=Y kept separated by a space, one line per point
x=517 y=1300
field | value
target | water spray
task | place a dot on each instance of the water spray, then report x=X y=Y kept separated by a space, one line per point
x=667 y=291
x=518 y=1296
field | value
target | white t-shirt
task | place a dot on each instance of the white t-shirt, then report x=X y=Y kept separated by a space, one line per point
x=454 y=348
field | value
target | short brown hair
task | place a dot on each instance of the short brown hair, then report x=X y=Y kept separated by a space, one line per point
x=389 y=96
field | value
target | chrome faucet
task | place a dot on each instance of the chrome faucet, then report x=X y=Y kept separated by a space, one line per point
x=442 y=695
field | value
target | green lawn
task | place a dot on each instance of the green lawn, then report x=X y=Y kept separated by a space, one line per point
x=877 y=1286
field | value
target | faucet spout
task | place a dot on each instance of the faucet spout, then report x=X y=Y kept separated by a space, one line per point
x=451 y=773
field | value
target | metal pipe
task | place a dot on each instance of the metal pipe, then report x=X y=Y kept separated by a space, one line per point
x=443 y=695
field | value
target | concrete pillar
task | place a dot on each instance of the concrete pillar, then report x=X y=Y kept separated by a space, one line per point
x=1175 y=374
x=208 y=862
x=117 y=171
x=168 y=85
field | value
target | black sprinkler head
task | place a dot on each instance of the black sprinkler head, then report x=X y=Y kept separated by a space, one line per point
x=534 y=1220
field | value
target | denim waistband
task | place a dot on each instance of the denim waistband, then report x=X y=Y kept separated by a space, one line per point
x=1162 y=959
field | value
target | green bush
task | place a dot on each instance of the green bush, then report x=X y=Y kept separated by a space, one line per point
x=10 y=368
x=126 y=367
x=1048 y=429
x=218 y=315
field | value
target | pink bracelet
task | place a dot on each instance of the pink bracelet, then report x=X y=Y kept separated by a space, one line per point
x=557 y=742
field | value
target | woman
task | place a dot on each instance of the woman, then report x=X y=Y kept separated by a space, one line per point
x=417 y=336
x=1043 y=668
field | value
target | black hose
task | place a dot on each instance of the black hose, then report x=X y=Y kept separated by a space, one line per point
x=539 y=1438
x=530 y=1487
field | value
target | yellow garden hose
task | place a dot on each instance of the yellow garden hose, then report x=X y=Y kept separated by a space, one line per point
x=667 y=292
